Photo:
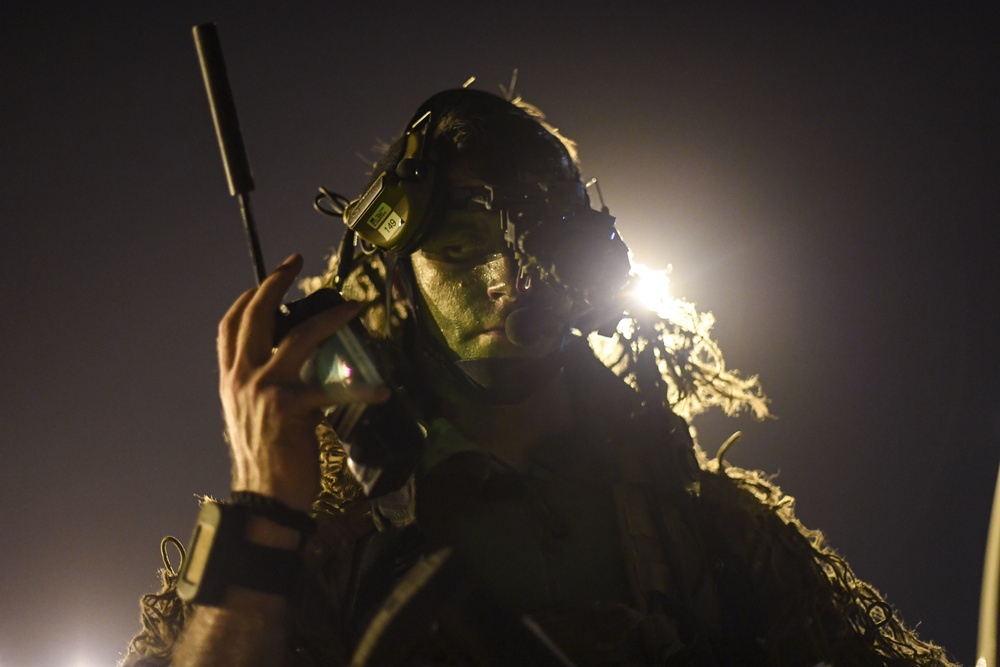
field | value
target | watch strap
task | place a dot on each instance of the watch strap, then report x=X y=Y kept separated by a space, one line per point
x=219 y=556
x=276 y=511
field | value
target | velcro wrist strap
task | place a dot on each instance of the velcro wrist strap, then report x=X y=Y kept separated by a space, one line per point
x=219 y=557
x=274 y=510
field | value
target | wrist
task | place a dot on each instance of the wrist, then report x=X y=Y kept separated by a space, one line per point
x=234 y=547
x=294 y=497
x=268 y=533
x=274 y=511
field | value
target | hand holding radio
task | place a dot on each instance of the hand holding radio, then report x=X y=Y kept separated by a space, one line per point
x=271 y=414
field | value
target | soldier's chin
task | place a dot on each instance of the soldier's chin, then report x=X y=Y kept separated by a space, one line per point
x=497 y=344
x=504 y=349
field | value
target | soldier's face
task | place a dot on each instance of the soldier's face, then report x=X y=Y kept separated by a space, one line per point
x=468 y=284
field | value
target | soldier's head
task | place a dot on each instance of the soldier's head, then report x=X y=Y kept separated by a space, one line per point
x=480 y=214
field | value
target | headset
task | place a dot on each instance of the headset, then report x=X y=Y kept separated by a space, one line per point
x=389 y=215
x=392 y=214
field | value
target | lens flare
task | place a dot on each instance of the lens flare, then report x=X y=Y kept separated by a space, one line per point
x=650 y=288
x=666 y=335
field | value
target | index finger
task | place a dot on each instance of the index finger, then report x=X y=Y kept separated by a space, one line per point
x=256 y=333
x=229 y=328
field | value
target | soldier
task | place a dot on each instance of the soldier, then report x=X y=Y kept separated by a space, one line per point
x=549 y=510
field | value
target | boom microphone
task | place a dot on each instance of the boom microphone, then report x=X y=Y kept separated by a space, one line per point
x=526 y=326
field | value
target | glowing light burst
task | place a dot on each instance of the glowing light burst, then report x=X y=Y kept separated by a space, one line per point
x=673 y=336
x=651 y=289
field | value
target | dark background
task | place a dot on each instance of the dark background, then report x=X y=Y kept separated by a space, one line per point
x=823 y=179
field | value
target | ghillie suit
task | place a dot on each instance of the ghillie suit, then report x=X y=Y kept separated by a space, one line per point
x=720 y=570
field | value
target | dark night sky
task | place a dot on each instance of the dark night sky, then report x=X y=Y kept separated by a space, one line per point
x=823 y=180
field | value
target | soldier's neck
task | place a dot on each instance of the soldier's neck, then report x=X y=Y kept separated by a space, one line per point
x=510 y=430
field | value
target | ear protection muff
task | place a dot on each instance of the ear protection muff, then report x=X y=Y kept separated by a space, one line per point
x=390 y=214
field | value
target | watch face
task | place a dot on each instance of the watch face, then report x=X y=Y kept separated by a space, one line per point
x=201 y=545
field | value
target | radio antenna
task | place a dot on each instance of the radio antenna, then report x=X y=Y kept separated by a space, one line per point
x=227 y=129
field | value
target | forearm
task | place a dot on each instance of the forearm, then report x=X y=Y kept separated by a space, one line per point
x=271 y=416
x=249 y=629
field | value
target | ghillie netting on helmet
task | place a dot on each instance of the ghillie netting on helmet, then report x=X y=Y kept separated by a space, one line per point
x=663 y=346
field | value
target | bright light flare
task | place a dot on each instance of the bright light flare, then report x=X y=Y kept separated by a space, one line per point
x=650 y=288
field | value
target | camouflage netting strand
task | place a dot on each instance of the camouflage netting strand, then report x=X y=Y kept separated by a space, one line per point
x=866 y=618
x=163 y=617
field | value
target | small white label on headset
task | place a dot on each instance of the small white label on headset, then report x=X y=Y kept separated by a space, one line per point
x=385 y=221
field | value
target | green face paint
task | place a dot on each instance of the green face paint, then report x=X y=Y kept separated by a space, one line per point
x=467 y=281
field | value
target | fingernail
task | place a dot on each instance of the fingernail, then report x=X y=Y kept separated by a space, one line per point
x=288 y=260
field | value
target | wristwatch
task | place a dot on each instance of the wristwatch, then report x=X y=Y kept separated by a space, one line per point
x=219 y=556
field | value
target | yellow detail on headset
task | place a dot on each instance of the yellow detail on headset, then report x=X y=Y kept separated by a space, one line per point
x=389 y=215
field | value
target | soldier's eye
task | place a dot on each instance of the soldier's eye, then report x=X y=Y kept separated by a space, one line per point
x=457 y=252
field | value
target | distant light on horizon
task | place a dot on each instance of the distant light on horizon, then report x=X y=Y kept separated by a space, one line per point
x=83 y=662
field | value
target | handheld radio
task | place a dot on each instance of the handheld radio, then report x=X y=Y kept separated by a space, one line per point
x=383 y=442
